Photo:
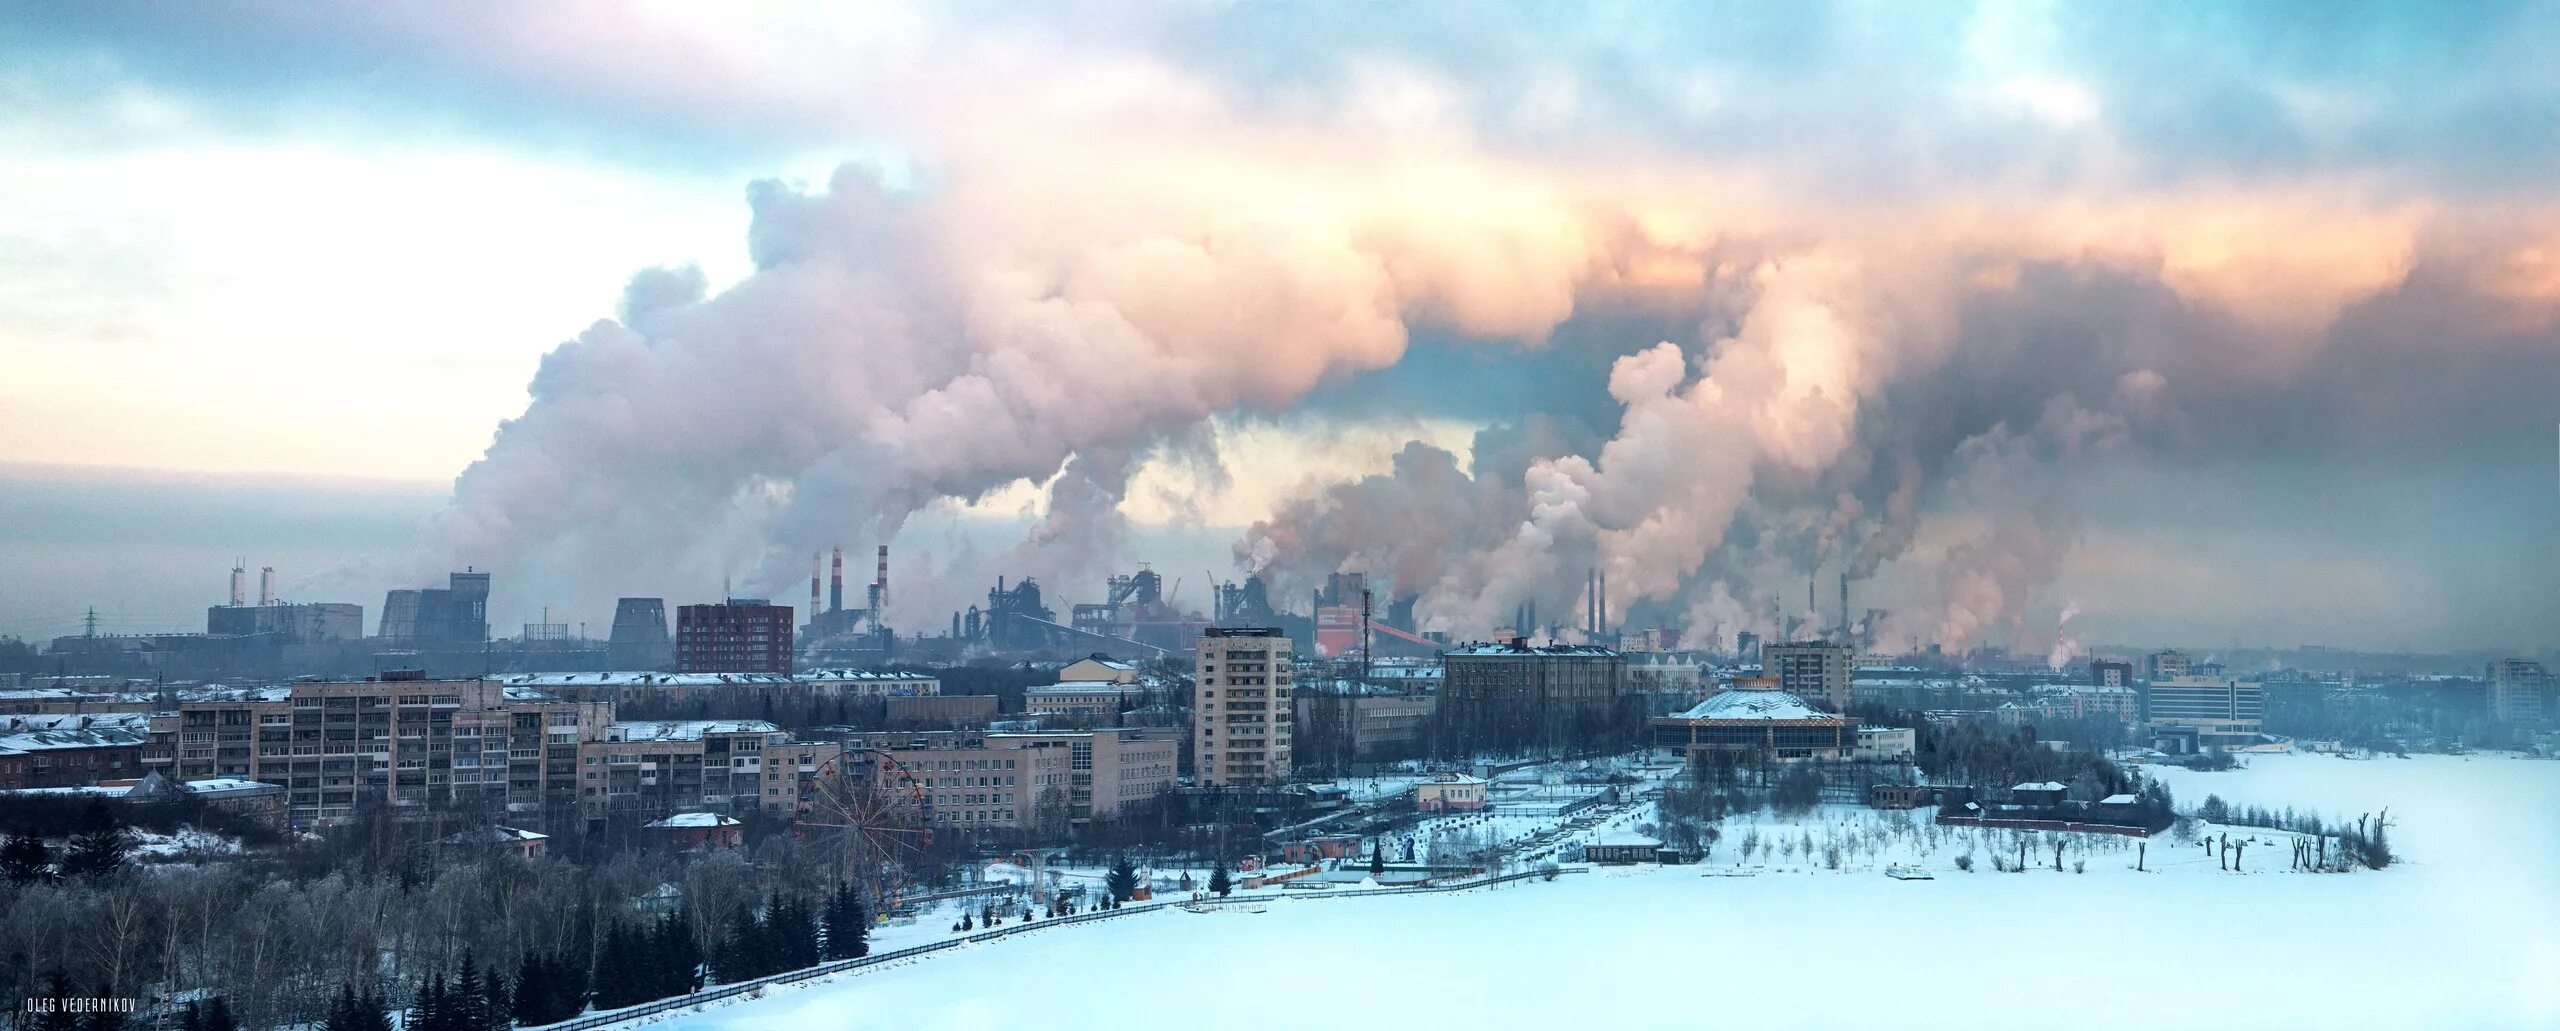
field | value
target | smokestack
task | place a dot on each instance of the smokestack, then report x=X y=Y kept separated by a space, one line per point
x=1590 y=601
x=1533 y=615
x=1604 y=601
x=880 y=585
x=1844 y=606
x=266 y=585
x=814 y=557
x=239 y=585
x=835 y=589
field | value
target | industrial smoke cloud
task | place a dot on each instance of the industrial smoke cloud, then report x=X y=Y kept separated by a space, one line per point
x=1094 y=256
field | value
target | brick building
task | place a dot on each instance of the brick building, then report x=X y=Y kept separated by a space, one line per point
x=740 y=635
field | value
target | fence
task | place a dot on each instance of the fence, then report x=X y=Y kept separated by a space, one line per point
x=730 y=991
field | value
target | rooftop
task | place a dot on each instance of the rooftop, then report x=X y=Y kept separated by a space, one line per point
x=689 y=820
x=1524 y=648
x=685 y=730
x=1755 y=705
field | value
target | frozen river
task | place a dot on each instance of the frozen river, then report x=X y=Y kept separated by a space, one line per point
x=2464 y=933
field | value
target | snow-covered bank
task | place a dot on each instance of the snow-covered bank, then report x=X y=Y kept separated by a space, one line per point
x=2465 y=933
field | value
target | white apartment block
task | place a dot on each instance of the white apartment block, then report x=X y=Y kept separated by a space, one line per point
x=1241 y=718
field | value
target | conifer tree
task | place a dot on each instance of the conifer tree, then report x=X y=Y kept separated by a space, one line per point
x=342 y=1012
x=1377 y=859
x=1123 y=880
x=192 y=1019
x=218 y=1016
x=1219 y=885
x=532 y=1002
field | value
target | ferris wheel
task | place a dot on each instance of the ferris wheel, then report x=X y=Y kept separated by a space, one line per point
x=873 y=829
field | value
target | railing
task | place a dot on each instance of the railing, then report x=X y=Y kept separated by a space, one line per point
x=729 y=991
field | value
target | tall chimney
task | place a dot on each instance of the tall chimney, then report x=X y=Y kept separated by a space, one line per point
x=1844 y=606
x=266 y=585
x=835 y=590
x=239 y=585
x=1604 y=601
x=813 y=585
x=880 y=600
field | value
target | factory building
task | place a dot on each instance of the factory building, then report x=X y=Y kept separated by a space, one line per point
x=455 y=614
x=740 y=635
x=1242 y=718
x=640 y=640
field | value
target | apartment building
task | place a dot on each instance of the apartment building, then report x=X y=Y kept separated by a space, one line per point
x=1812 y=670
x=978 y=781
x=1241 y=719
x=666 y=766
x=740 y=635
x=2519 y=691
x=398 y=738
x=1506 y=695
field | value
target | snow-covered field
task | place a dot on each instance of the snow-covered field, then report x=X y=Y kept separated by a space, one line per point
x=2465 y=932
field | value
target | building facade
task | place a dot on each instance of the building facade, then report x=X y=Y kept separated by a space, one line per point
x=668 y=766
x=740 y=635
x=2219 y=712
x=1740 y=725
x=1014 y=782
x=1508 y=695
x=398 y=739
x=2519 y=691
x=1243 y=711
x=1811 y=670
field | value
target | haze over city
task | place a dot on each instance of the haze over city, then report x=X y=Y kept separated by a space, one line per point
x=628 y=515
x=2213 y=328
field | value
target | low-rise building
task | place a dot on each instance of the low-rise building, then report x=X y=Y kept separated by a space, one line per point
x=1100 y=699
x=1886 y=744
x=1002 y=781
x=68 y=750
x=1623 y=848
x=697 y=830
x=1739 y=724
x=1449 y=791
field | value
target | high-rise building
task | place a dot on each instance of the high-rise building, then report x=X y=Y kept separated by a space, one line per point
x=2168 y=665
x=1241 y=721
x=640 y=640
x=667 y=766
x=2108 y=673
x=2519 y=691
x=740 y=635
x=1810 y=669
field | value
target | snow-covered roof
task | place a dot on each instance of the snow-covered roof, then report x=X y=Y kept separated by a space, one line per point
x=1455 y=778
x=232 y=785
x=1755 y=705
x=42 y=739
x=1080 y=687
x=1624 y=839
x=2118 y=800
x=2043 y=785
x=1505 y=648
x=684 y=820
x=685 y=730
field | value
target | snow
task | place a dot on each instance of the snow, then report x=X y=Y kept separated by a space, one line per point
x=695 y=820
x=1755 y=705
x=2463 y=933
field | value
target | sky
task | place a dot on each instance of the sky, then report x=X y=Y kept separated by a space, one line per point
x=2050 y=324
